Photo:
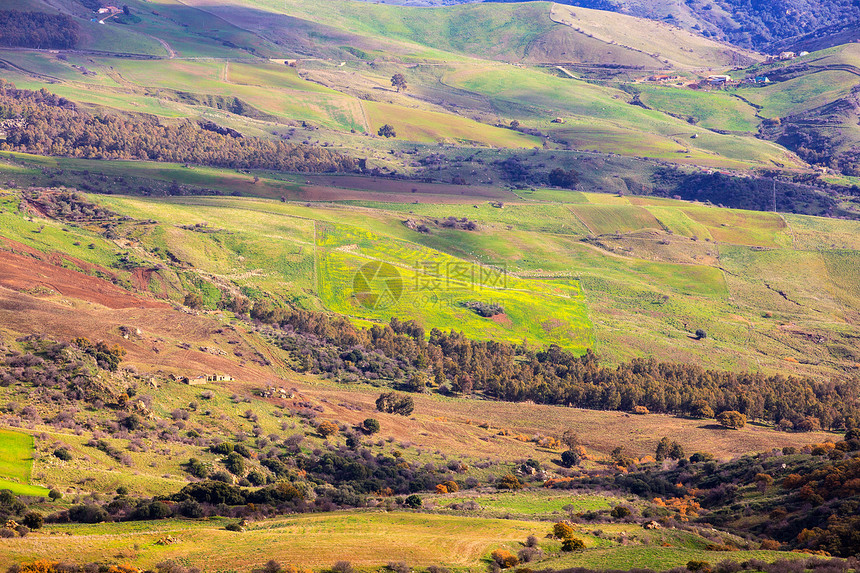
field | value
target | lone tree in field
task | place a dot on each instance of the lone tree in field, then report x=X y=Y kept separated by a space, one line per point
x=370 y=425
x=732 y=419
x=701 y=334
x=399 y=82
x=570 y=438
x=570 y=459
x=393 y=403
x=327 y=428
x=668 y=449
x=387 y=131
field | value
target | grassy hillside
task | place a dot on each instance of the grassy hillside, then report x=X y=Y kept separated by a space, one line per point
x=651 y=271
x=670 y=46
x=218 y=367
x=370 y=539
x=460 y=92
x=512 y=32
x=16 y=463
x=598 y=259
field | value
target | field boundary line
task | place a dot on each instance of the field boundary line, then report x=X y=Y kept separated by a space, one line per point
x=578 y=218
x=790 y=231
x=171 y=53
x=364 y=116
x=316 y=261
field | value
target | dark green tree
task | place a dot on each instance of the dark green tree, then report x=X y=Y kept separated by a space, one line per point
x=370 y=425
x=399 y=82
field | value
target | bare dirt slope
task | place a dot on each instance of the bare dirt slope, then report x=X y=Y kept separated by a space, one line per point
x=37 y=297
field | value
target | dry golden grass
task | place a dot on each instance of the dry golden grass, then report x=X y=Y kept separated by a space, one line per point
x=311 y=540
x=454 y=425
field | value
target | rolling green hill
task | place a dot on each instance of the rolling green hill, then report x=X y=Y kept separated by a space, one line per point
x=626 y=276
x=382 y=361
x=459 y=92
x=631 y=276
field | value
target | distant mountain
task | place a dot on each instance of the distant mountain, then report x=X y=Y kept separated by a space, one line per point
x=758 y=24
x=823 y=38
x=763 y=25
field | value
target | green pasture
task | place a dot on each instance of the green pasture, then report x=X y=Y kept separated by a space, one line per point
x=267 y=251
x=430 y=126
x=539 y=503
x=843 y=268
x=474 y=29
x=752 y=228
x=428 y=285
x=50 y=236
x=544 y=218
x=646 y=38
x=710 y=110
x=604 y=219
x=287 y=96
x=813 y=233
x=678 y=222
x=130 y=175
x=654 y=557
x=16 y=463
x=113 y=37
x=554 y=195
x=601 y=118
x=803 y=277
x=803 y=93
x=189 y=31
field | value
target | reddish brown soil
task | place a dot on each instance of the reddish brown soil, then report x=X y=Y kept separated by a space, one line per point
x=24 y=273
x=141 y=277
x=162 y=328
x=501 y=319
x=37 y=297
x=54 y=258
x=21 y=248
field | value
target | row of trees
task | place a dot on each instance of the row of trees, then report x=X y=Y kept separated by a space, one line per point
x=54 y=126
x=448 y=360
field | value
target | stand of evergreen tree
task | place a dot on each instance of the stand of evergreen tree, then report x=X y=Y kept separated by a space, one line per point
x=50 y=125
